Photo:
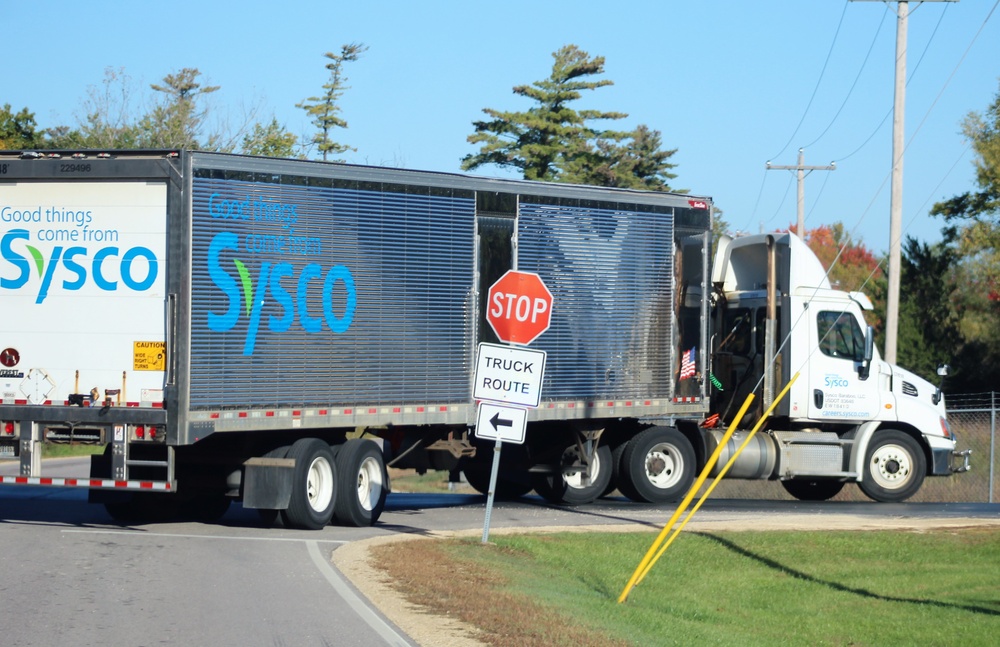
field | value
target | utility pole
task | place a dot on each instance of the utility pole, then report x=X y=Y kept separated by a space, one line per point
x=896 y=186
x=800 y=170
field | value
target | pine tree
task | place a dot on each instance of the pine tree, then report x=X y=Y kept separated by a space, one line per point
x=325 y=109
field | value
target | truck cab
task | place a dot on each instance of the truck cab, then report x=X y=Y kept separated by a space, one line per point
x=850 y=415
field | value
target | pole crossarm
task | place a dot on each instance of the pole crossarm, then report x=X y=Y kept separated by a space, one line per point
x=800 y=170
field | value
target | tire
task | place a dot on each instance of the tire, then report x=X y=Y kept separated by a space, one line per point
x=362 y=483
x=143 y=507
x=657 y=466
x=616 y=468
x=512 y=479
x=314 y=485
x=569 y=488
x=205 y=508
x=816 y=490
x=895 y=467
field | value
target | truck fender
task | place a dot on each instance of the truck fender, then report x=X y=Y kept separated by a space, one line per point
x=862 y=438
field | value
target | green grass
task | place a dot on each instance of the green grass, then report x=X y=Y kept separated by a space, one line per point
x=756 y=588
x=59 y=450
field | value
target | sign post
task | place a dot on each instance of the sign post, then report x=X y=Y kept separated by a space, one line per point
x=509 y=379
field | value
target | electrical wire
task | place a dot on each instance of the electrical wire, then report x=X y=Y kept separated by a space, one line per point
x=818 y=82
x=912 y=75
x=857 y=78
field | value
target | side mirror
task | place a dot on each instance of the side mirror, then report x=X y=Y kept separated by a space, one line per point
x=942 y=372
x=866 y=365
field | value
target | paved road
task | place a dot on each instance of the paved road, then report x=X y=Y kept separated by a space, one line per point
x=73 y=576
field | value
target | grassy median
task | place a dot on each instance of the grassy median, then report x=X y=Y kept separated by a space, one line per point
x=938 y=587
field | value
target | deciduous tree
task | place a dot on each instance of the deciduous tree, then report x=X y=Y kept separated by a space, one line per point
x=973 y=230
x=17 y=130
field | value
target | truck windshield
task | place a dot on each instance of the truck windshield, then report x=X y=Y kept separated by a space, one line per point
x=840 y=336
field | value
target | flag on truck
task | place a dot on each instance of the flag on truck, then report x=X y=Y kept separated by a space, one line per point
x=687 y=363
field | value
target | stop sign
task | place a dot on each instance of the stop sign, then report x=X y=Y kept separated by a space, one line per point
x=519 y=307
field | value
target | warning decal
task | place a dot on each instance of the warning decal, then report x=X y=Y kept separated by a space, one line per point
x=149 y=356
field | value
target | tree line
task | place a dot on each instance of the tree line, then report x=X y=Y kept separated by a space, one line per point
x=950 y=300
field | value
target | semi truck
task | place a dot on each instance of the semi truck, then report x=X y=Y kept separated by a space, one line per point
x=277 y=332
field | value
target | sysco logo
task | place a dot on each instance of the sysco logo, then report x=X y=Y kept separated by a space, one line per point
x=833 y=380
x=72 y=267
x=287 y=285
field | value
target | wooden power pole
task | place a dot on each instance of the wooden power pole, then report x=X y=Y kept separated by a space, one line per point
x=801 y=173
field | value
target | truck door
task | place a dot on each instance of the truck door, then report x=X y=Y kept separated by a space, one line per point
x=836 y=390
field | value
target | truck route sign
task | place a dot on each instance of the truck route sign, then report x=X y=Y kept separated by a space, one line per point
x=519 y=307
x=509 y=375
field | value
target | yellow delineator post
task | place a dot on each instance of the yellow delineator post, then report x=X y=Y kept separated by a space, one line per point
x=647 y=562
x=687 y=499
x=715 y=481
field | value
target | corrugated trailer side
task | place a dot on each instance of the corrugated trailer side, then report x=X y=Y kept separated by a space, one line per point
x=305 y=301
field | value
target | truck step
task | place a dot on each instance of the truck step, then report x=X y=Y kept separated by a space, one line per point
x=832 y=475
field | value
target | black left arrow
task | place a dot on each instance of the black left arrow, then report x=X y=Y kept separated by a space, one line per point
x=498 y=422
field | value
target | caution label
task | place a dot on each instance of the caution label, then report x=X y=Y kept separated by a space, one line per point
x=149 y=356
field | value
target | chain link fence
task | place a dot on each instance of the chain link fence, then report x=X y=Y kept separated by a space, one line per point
x=973 y=419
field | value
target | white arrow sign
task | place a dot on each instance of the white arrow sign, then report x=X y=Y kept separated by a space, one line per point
x=497 y=422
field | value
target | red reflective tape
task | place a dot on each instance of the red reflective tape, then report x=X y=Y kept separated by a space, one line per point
x=396 y=409
x=628 y=403
x=95 y=482
x=373 y=411
x=348 y=412
x=299 y=413
x=71 y=482
x=121 y=483
x=242 y=414
x=145 y=485
x=420 y=409
x=214 y=416
x=443 y=409
x=45 y=481
x=269 y=414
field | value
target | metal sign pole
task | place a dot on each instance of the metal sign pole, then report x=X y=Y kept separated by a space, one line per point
x=493 y=489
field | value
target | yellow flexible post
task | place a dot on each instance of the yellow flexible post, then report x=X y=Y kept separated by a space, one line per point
x=715 y=481
x=713 y=459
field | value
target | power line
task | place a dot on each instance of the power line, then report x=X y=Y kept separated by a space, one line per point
x=818 y=82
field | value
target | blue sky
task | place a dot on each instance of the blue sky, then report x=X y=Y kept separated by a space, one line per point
x=731 y=85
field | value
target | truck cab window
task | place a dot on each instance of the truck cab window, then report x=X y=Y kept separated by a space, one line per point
x=737 y=332
x=840 y=336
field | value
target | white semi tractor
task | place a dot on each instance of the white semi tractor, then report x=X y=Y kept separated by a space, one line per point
x=243 y=328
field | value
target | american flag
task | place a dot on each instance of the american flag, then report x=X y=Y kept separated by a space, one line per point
x=687 y=363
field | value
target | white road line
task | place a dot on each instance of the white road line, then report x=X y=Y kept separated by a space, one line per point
x=380 y=626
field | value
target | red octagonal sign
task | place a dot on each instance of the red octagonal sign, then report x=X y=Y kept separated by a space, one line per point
x=519 y=307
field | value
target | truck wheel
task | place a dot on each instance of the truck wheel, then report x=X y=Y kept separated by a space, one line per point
x=314 y=485
x=895 y=467
x=657 y=466
x=206 y=507
x=569 y=487
x=512 y=477
x=816 y=490
x=362 y=485
x=616 y=469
